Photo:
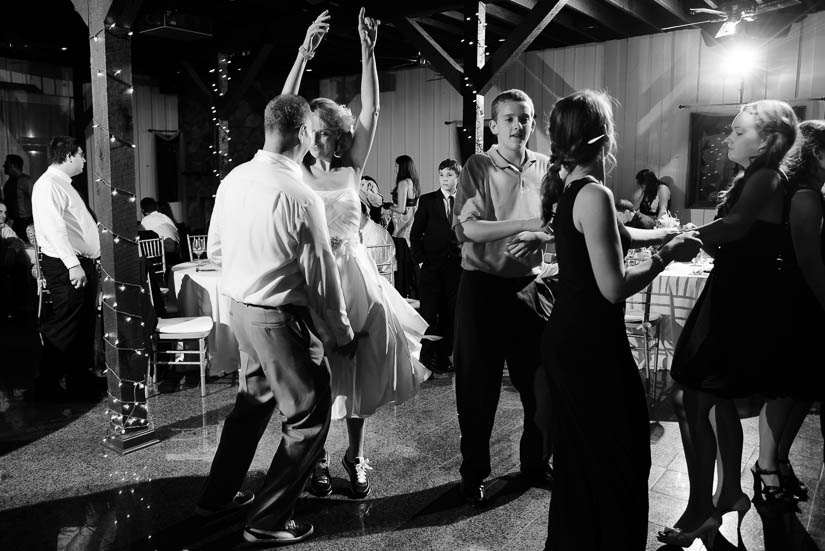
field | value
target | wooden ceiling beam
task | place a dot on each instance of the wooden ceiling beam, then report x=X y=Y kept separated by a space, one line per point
x=608 y=16
x=642 y=11
x=563 y=19
x=458 y=16
x=675 y=8
x=432 y=51
x=520 y=38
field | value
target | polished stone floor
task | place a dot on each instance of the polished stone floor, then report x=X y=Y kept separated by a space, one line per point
x=61 y=490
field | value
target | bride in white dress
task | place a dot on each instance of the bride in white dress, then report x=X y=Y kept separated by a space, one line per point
x=385 y=368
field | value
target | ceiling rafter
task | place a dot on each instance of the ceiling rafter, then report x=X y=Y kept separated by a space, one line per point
x=642 y=11
x=522 y=36
x=563 y=18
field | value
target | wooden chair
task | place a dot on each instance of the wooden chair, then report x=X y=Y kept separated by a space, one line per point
x=643 y=329
x=174 y=333
x=193 y=240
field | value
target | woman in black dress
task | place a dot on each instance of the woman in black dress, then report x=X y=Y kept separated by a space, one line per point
x=803 y=287
x=598 y=400
x=728 y=346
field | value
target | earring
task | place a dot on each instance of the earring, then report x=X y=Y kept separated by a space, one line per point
x=336 y=155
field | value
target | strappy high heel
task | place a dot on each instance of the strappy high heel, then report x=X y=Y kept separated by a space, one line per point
x=769 y=500
x=790 y=483
x=707 y=532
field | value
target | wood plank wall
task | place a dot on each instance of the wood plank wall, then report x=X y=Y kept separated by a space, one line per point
x=153 y=109
x=650 y=76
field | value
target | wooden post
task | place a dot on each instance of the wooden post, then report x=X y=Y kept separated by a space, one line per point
x=127 y=352
x=472 y=133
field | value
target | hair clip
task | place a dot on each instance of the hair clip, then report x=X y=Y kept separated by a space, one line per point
x=594 y=140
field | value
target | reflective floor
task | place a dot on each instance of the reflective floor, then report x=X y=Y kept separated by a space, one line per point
x=61 y=490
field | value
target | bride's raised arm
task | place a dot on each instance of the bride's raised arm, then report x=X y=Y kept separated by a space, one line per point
x=367 y=120
x=315 y=33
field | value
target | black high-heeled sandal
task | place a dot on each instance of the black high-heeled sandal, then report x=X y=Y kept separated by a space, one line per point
x=769 y=500
x=790 y=483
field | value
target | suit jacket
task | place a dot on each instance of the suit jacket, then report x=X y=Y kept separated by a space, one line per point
x=432 y=238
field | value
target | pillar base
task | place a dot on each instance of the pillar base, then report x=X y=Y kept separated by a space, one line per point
x=127 y=443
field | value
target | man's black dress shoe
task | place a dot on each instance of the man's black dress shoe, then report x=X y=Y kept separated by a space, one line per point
x=474 y=494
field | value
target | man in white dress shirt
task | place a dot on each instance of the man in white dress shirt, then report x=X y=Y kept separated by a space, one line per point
x=268 y=232
x=156 y=221
x=68 y=239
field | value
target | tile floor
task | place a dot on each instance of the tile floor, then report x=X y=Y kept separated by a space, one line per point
x=61 y=490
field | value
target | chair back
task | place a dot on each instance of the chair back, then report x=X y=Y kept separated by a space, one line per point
x=639 y=303
x=197 y=242
x=384 y=258
x=42 y=290
x=152 y=251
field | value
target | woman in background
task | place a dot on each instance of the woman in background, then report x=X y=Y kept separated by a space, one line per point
x=405 y=196
x=651 y=198
x=803 y=287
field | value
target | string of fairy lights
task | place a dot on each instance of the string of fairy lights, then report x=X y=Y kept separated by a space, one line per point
x=219 y=87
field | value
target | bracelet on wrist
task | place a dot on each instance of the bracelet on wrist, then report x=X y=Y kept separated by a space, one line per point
x=657 y=260
x=305 y=53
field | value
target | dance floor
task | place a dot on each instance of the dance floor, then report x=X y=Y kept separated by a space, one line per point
x=60 y=490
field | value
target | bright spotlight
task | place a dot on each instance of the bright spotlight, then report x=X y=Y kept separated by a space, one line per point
x=742 y=59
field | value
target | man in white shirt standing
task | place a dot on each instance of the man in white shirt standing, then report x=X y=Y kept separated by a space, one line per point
x=69 y=241
x=268 y=232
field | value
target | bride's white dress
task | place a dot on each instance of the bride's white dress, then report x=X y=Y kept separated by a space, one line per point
x=386 y=367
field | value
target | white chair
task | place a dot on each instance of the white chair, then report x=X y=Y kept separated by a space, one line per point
x=643 y=329
x=152 y=250
x=43 y=296
x=197 y=243
x=175 y=332
x=384 y=258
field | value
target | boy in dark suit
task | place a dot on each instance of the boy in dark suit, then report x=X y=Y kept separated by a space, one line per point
x=437 y=252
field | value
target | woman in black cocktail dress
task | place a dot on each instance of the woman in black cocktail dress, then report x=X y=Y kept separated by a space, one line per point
x=599 y=501
x=728 y=347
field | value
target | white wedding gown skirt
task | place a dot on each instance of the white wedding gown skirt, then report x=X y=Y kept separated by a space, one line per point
x=385 y=368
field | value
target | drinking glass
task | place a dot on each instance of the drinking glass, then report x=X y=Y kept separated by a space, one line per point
x=198 y=248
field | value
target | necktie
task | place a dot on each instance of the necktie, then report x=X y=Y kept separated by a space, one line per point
x=451 y=200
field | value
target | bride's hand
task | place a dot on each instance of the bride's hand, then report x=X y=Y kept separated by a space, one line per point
x=316 y=31
x=367 y=30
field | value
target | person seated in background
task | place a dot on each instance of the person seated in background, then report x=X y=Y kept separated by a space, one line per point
x=375 y=211
x=5 y=230
x=154 y=220
x=17 y=195
x=372 y=233
x=630 y=217
x=651 y=198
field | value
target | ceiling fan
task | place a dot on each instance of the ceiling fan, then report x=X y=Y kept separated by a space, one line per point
x=418 y=60
x=731 y=13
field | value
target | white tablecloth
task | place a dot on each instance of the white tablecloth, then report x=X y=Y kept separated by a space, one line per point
x=673 y=295
x=197 y=294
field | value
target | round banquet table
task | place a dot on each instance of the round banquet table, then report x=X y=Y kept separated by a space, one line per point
x=198 y=294
x=673 y=294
